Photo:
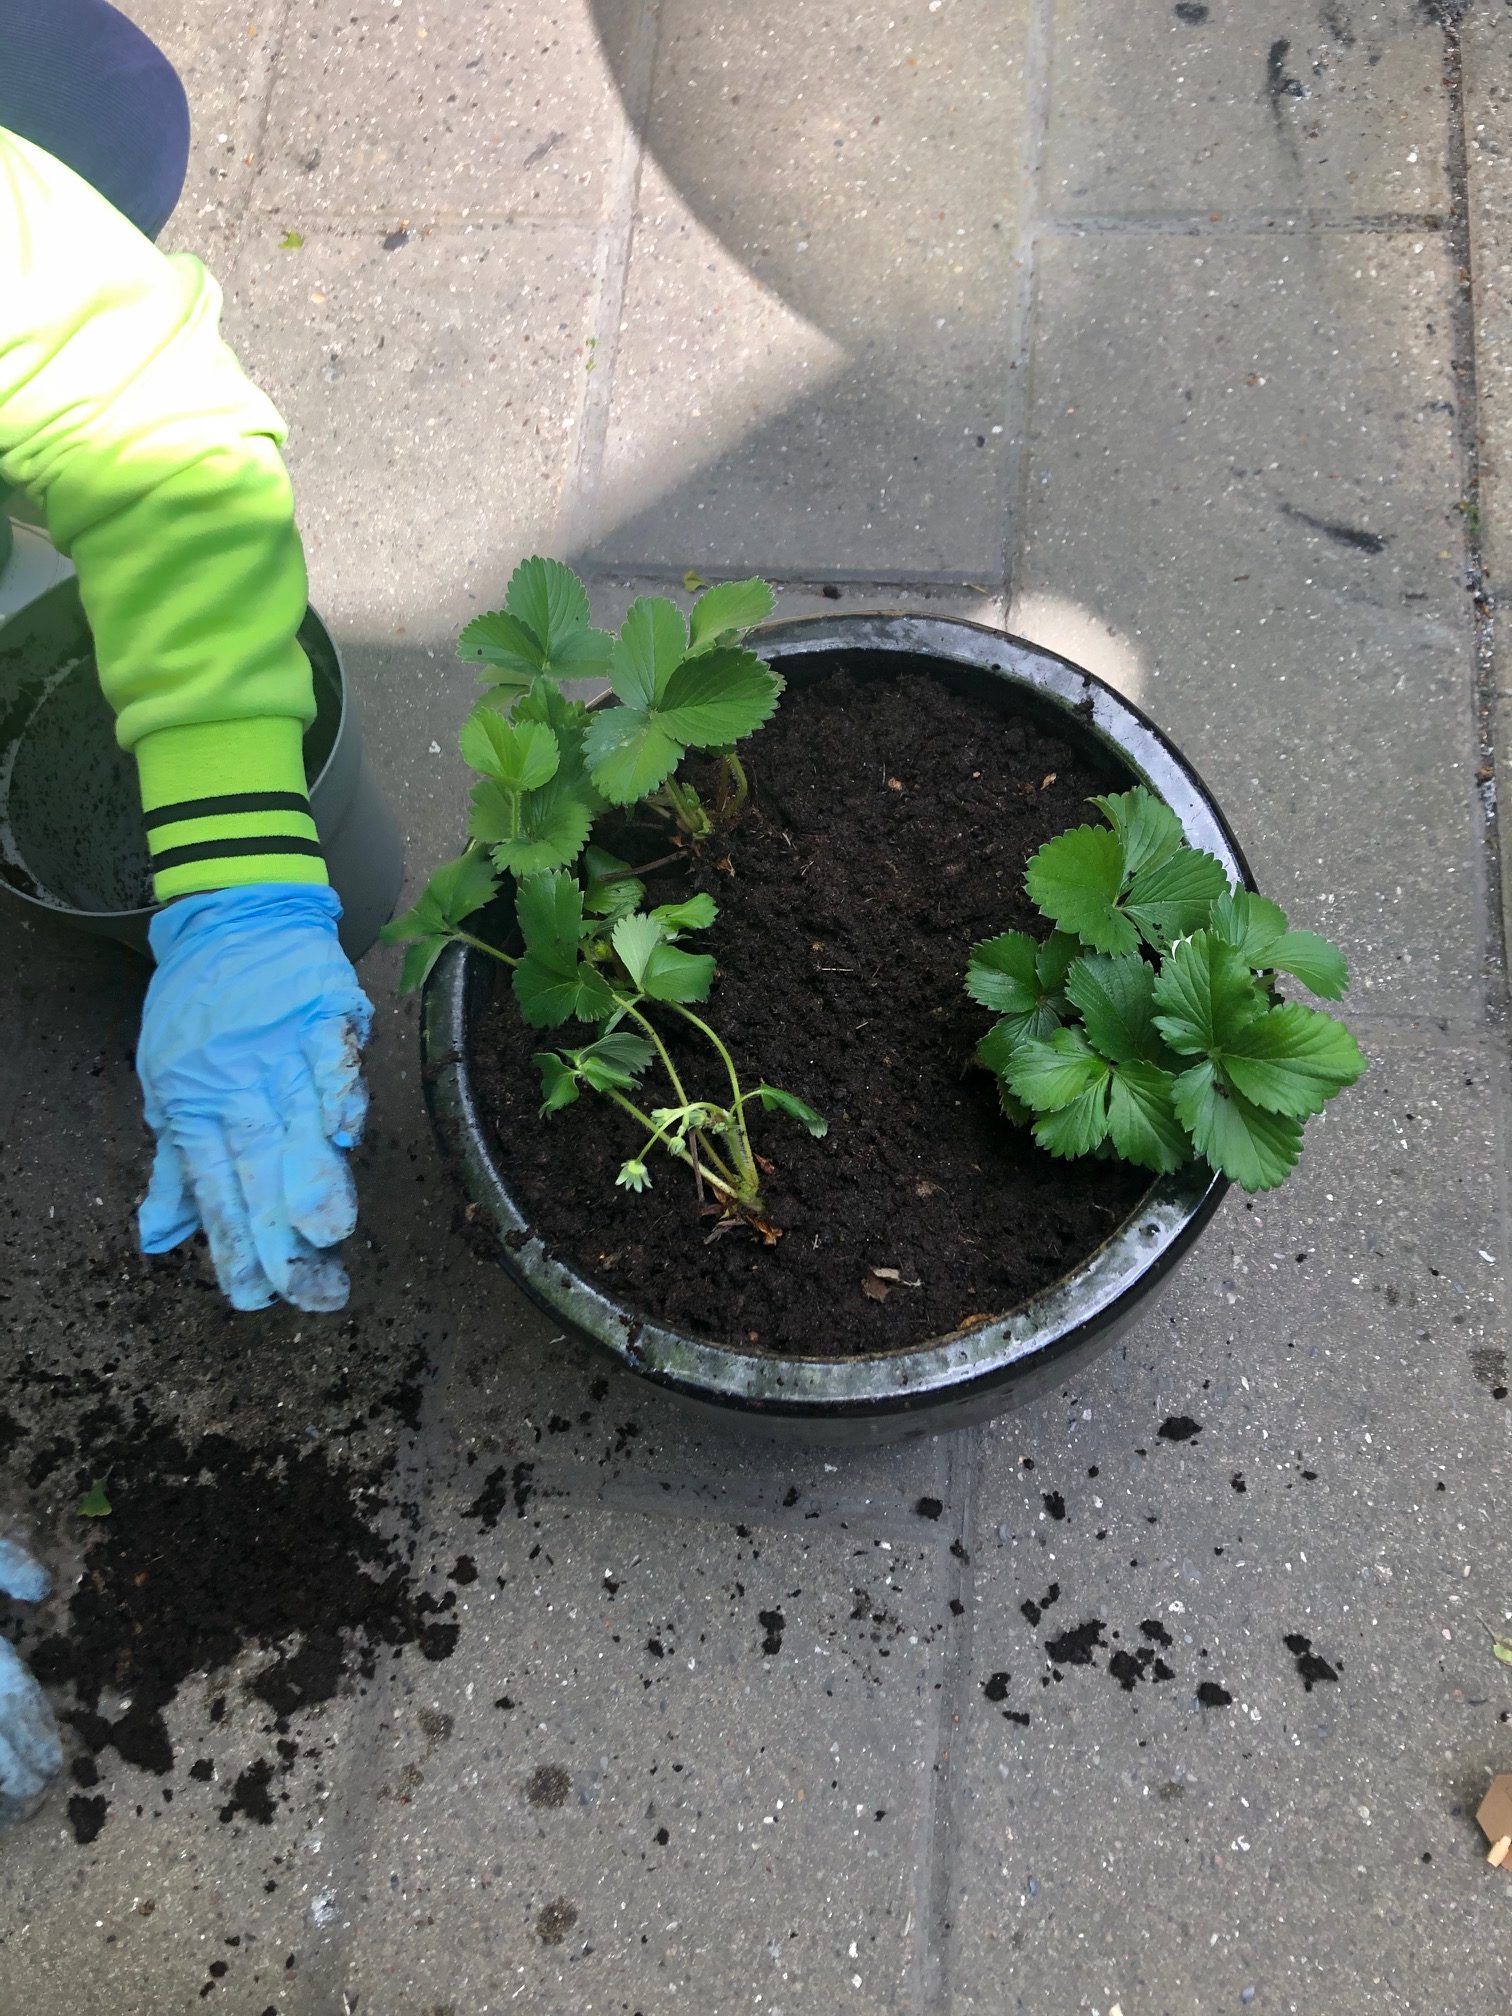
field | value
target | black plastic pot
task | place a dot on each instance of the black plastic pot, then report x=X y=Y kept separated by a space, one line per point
x=951 y=1380
x=71 y=838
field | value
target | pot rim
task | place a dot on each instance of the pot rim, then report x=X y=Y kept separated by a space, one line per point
x=1095 y=1297
x=143 y=913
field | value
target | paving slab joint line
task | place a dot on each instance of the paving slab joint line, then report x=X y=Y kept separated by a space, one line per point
x=1464 y=363
x=939 y=1824
x=269 y=53
x=617 y=239
x=788 y=577
x=1240 y=224
x=1016 y=391
x=577 y=1484
x=345 y=224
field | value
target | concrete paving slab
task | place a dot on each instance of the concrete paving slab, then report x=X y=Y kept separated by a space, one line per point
x=1290 y=1461
x=1264 y=511
x=432 y=389
x=416 y=114
x=814 y=344
x=668 y=1765
x=1332 y=106
x=170 y=1904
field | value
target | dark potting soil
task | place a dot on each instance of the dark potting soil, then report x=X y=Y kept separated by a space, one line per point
x=888 y=830
x=213 y=1548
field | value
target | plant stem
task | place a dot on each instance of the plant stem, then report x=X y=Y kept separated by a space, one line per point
x=643 y=868
x=466 y=938
x=735 y=775
x=650 y=1028
x=748 y=1158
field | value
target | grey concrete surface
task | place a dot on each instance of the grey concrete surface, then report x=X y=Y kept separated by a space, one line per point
x=662 y=288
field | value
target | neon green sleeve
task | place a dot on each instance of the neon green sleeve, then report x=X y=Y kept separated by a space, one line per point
x=157 y=463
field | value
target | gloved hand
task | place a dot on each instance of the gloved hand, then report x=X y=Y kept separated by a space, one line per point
x=31 y=1754
x=250 y=1070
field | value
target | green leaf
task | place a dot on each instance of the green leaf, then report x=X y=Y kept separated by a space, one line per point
x=584 y=655
x=549 y=600
x=553 y=823
x=549 y=911
x=455 y=890
x=559 y=1081
x=635 y=939
x=419 y=958
x=567 y=719
x=1013 y=1110
x=1312 y=960
x=1255 y=1148
x=727 y=612
x=1292 y=1060
x=629 y=753
x=678 y=976
x=1204 y=992
x=621 y=1052
x=648 y=650
x=1116 y=1001
x=1052 y=1071
x=606 y=897
x=496 y=638
x=1142 y=1123
x=774 y=1100
x=696 y=914
x=1053 y=961
x=1076 y=1128
x=1175 y=897
x=551 y=990
x=94 y=1504
x=1002 y=974
x=718 y=698
x=999 y=1046
x=1251 y=924
x=1075 y=880
x=693 y=580
x=520 y=756
x=1147 y=827
x=291 y=241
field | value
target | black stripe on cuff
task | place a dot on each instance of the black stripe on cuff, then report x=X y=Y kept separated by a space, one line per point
x=224 y=850
x=229 y=802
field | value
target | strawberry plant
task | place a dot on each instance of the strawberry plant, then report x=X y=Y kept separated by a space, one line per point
x=548 y=768
x=1149 y=1024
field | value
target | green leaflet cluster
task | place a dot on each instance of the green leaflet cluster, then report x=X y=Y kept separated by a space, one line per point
x=1148 y=1024
x=548 y=767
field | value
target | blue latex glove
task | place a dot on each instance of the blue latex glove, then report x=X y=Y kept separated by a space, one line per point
x=250 y=1066
x=31 y=1754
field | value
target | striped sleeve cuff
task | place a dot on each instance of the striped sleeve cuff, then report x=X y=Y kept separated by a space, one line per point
x=224 y=803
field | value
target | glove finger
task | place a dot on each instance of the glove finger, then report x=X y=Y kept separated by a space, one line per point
x=301 y=1275
x=318 y=1187
x=166 y=1215
x=319 y=1194
x=22 y=1576
x=31 y=1753
x=333 y=1051
x=223 y=1212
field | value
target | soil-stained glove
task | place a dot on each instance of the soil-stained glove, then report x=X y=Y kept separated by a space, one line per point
x=31 y=1755
x=250 y=1066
